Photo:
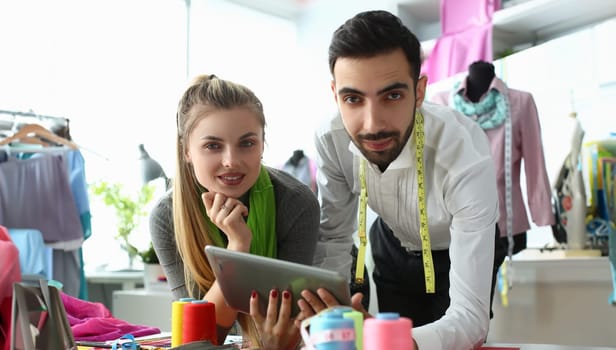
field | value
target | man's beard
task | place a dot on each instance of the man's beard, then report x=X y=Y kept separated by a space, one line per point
x=383 y=158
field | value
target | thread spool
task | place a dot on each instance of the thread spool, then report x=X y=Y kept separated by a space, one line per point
x=199 y=322
x=331 y=331
x=388 y=331
x=177 y=314
x=358 y=323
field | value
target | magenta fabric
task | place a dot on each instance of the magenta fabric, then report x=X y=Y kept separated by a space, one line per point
x=454 y=53
x=9 y=274
x=466 y=27
x=459 y=15
x=93 y=321
x=526 y=146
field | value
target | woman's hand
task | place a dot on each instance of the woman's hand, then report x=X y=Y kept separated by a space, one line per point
x=277 y=330
x=228 y=215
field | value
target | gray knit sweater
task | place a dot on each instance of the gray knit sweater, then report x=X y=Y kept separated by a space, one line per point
x=297 y=227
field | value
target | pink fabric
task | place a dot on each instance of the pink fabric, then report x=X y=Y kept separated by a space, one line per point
x=459 y=15
x=454 y=53
x=9 y=274
x=466 y=27
x=93 y=321
x=527 y=145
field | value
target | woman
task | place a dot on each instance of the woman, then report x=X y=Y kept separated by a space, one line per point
x=222 y=195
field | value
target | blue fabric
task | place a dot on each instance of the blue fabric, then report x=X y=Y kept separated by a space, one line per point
x=34 y=257
x=79 y=189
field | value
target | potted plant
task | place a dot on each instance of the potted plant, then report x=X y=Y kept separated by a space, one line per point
x=153 y=275
x=129 y=210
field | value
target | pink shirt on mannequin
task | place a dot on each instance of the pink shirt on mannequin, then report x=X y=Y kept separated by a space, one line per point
x=527 y=145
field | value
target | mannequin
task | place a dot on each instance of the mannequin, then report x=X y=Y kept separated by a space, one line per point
x=302 y=168
x=486 y=99
x=296 y=157
x=478 y=80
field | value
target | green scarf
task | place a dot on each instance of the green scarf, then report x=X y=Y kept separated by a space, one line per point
x=489 y=112
x=261 y=218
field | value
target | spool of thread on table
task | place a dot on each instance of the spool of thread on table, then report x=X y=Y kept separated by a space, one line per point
x=388 y=331
x=331 y=331
x=199 y=322
x=177 y=317
x=358 y=323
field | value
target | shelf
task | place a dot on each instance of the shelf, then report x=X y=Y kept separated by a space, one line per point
x=540 y=20
x=527 y=23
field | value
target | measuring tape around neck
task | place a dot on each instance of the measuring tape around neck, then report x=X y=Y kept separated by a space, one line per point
x=424 y=233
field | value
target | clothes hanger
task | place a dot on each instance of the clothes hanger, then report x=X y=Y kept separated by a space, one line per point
x=29 y=132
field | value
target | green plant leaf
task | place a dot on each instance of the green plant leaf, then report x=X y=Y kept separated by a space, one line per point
x=128 y=210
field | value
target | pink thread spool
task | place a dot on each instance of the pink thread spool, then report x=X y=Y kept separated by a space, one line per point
x=388 y=331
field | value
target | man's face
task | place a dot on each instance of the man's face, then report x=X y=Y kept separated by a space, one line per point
x=377 y=100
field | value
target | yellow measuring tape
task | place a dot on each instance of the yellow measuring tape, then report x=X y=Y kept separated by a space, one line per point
x=424 y=233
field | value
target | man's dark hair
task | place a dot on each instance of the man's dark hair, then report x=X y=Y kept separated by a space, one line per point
x=373 y=33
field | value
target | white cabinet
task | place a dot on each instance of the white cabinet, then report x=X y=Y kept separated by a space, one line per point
x=141 y=307
x=525 y=24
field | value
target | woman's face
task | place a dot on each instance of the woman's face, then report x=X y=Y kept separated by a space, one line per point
x=225 y=149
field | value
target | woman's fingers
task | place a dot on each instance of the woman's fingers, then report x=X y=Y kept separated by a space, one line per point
x=272 y=309
x=255 y=312
x=286 y=306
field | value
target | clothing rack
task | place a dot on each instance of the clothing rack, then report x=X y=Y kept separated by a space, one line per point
x=11 y=121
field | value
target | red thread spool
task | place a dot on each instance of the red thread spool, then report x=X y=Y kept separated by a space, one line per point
x=199 y=322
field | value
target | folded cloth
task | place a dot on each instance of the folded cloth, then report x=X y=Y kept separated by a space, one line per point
x=92 y=321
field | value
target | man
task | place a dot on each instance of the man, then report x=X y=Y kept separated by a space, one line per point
x=439 y=212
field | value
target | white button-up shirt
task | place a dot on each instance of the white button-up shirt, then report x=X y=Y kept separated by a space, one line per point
x=462 y=203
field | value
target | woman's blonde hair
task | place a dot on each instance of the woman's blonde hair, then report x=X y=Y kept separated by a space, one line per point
x=205 y=94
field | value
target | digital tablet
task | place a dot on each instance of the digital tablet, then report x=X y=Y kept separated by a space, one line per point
x=238 y=274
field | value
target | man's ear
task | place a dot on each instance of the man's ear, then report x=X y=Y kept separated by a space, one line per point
x=333 y=86
x=420 y=90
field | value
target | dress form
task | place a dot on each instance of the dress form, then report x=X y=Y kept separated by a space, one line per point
x=478 y=80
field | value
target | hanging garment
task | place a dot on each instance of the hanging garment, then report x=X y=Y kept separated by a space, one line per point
x=466 y=28
x=35 y=193
x=79 y=189
x=527 y=145
x=41 y=184
x=35 y=258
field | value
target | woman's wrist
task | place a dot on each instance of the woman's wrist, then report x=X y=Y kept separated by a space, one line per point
x=239 y=246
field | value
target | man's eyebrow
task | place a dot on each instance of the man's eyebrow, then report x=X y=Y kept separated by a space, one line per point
x=348 y=90
x=393 y=86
